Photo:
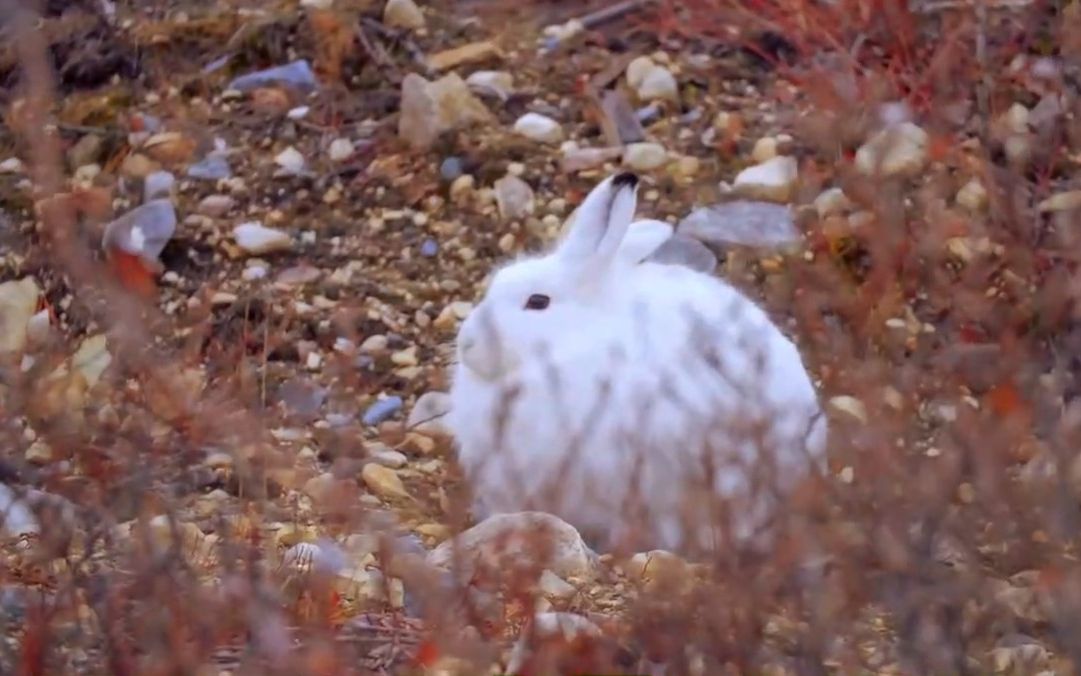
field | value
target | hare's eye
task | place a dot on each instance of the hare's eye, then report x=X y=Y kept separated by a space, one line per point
x=537 y=301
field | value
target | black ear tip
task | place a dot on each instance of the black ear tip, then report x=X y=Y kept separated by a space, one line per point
x=625 y=180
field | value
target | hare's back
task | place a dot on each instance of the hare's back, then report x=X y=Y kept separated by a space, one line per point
x=721 y=340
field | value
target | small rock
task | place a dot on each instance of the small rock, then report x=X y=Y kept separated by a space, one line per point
x=403 y=14
x=39 y=453
x=556 y=34
x=637 y=70
x=406 y=357
x=429 y=248
x=274 y=101
x=383 y=481
x=764 y=149
x=143 y=232
x=298 y=75
x=388 y=457
x=382 y=409
x=87 y=150
x=773 y=180
x=340 y=149
x=38 y=328
x=581 y=159
x=1016 y=119
x=832 y=201
x=213 y=167
x=170 y=147
x=86 y=174
x=428 y=413
x=519 y=540
x=645 y=156
x=539 y=128
x=374 y=344
x=461 y=188
x=650 y=114
x=322 y=489
x=92 y=358
x=656 y=564
x=137 y=165
x=298 y=275
x=685 y=168
x=685 y=251
x=302 y=397
x=514 y=198
x=429 y=109
x=758 y=224
x=158 y=184
x=215 y=206
x=18 y=303
x=467 y=53
x=219 y=460
x=1019 y=150
x=451 y=168
x=495 y=82
x=256 y=239
x=15 y=514
x=658 y=84
x=291 y=161
x=850 y=405
x=553 y=586
x=1063 y=201
x=12 y=165
x=900 y=150
x=972 y=196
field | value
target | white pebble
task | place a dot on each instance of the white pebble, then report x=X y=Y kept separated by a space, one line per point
x=644 y=156
x=255 y=238
x=290 y=160
x=340 y=149
x=772 y=180
x=539 y=128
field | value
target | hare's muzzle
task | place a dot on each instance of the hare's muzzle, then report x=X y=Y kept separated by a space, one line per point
x=479 y=346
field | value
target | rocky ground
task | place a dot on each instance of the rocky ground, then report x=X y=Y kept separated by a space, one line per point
x=223 y=377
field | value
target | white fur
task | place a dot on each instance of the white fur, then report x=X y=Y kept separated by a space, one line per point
x=637 y=379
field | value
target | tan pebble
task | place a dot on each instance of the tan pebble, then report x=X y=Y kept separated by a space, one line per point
x=764 y=149
x=383 y=481
x=437 y=531
x=406 y=357
x=374 y=344
x=420 y=443
x=462 y=188
x=850 y=405
x=966 y=493
x=972 y=196
x=39 y=453
x=219 y=460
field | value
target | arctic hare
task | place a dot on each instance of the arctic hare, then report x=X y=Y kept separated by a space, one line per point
x=626 y=396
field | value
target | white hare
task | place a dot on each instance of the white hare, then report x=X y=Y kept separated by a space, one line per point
x=626 y=396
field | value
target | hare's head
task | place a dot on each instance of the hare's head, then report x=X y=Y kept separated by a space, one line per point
x=569 y=297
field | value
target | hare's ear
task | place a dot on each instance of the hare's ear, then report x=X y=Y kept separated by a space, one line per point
x=642 y=239
x=601 y=222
